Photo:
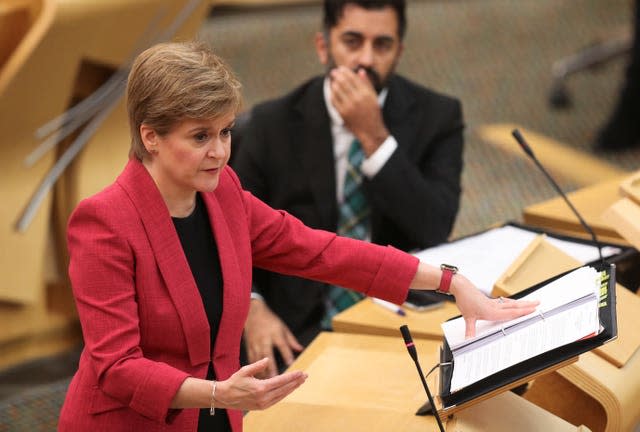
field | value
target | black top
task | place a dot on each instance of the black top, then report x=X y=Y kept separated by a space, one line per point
x=198 y=243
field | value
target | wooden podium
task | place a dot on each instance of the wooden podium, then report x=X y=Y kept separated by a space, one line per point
x=356 y=383
x=601 y=390
x=370 y=384
x=366 y=317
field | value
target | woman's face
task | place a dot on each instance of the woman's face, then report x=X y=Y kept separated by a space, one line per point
x=190 y=157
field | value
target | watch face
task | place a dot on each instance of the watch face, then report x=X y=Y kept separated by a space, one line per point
x=449 y=267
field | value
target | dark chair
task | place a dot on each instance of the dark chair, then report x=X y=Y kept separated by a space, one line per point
x=586 y=59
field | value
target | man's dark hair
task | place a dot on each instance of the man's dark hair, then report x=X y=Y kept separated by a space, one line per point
x=333 y=10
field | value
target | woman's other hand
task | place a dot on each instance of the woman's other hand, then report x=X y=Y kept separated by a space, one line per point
x=245 y=392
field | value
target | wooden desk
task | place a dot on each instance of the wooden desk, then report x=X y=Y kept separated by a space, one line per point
x=590 y=201
x=369 y=384
x=367 y=317
x=559 y=158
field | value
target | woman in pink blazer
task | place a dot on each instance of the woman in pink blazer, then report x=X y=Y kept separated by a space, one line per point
x=161 y=264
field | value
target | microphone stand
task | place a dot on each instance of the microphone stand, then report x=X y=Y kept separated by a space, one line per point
x=527 y=149
x=414 y=356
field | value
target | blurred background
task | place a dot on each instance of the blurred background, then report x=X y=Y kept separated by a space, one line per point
x=496 y=56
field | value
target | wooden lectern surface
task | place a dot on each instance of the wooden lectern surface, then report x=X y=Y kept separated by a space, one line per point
x=356 y=383
x=455 y=409
x=590 y=201
x=366 y=317
x=508 y=412
x=368 y=383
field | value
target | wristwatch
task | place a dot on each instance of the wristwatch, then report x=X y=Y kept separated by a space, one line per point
x=445 y=281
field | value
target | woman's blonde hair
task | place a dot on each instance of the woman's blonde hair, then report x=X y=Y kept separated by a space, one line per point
x=171 y=82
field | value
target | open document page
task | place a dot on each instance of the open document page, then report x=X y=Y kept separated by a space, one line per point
x=568 y=312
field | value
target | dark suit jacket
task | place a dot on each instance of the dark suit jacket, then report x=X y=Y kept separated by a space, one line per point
x=144 y=325
x=284 y=155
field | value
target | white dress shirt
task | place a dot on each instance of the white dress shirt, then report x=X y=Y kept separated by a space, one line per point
x=342 y=139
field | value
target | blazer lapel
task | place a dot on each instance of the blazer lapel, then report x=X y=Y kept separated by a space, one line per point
x=316 y=150
x=234 y=298
x=172 y=262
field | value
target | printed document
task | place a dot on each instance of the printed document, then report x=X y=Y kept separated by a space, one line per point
x=568 y=311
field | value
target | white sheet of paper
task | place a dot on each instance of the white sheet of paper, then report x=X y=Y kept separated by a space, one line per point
x=513 y=348
x=484 y=257
x=577 y=284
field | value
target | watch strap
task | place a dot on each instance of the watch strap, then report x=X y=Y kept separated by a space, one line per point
x=445 y=280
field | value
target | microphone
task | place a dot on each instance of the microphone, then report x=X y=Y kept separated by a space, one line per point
x=527 y=149
x=408 y=341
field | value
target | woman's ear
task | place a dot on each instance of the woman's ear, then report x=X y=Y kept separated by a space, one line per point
x=149 y=138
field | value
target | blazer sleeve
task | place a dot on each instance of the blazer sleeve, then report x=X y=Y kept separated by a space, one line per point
x=421 y=197
x=283 y=244
x=102 y=276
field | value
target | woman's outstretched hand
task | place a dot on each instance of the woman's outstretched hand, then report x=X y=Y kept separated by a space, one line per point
x=245 y=392
x=475 y=305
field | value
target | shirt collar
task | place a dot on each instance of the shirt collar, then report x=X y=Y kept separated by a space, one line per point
x=335 y=117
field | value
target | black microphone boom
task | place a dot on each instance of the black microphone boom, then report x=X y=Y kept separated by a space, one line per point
x=408 y=341
x=527 y=149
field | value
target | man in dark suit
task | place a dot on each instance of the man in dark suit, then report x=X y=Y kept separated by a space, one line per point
x=295 y=153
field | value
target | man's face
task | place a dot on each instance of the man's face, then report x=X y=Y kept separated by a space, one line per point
x=363 y=38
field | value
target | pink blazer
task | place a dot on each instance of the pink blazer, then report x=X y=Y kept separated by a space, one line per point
x=144 y=326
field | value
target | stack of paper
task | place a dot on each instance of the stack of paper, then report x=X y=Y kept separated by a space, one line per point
x=568 y=312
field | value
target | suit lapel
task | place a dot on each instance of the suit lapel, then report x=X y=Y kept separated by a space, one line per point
x=400 y=112
x=315 y=150
x=170 y=258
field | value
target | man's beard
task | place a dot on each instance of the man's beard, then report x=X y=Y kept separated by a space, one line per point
x=374 y=77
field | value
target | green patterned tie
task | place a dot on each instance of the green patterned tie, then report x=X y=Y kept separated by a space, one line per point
x=353 y=221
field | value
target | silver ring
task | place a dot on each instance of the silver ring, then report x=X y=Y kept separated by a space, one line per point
x=500 y=299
